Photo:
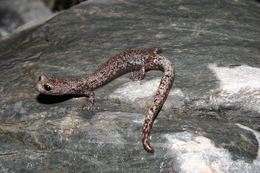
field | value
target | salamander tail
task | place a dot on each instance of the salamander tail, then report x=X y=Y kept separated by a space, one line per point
x=159 y=99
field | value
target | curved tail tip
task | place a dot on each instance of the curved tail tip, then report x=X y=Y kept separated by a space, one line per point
x=147 y=146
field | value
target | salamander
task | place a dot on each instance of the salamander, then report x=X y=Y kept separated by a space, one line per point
x=128 y=61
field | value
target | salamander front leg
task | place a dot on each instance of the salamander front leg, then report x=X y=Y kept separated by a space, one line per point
x=138 y=76
x=89 y=101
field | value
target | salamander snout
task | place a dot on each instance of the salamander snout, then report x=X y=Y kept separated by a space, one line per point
x=42 y=85
x=45 y=86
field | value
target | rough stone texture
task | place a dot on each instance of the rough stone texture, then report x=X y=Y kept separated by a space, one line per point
x=28 y=13
x=210 y=122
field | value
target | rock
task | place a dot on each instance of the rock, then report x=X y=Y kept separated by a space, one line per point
x=199 y=154
x=209 y=123
x=238 y=86
x=22 y=14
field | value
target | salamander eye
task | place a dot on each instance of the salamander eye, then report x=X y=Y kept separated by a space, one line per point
x=47 y=87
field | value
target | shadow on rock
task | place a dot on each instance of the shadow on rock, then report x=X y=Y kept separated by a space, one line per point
x=50 y=99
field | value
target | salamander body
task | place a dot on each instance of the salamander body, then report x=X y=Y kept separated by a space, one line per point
x=128 y=61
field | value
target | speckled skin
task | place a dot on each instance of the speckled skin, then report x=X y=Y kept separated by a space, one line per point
x=128 y=61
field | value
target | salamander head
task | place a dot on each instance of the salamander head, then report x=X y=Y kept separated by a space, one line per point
x=51 y=86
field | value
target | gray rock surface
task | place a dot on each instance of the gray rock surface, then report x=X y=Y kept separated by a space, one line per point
x=210 y=122
x=22 y=14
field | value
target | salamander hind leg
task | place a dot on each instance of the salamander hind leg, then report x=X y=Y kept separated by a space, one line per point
x=156 y=50
x=89 y=101
x=138 y=76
